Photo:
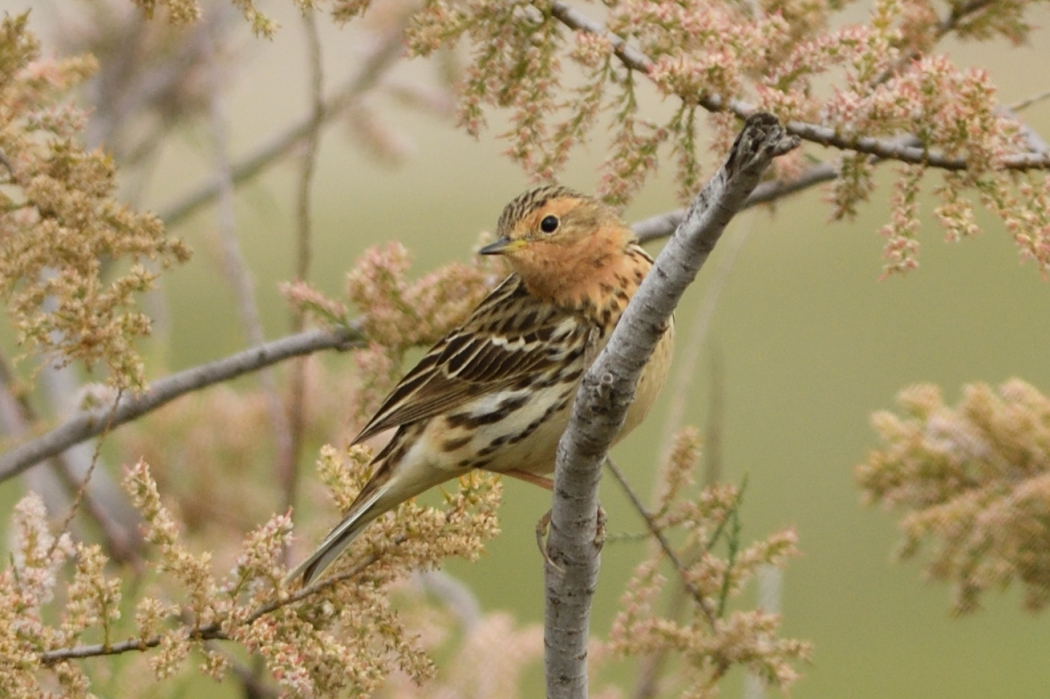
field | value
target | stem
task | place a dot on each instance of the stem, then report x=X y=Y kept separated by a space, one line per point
x=297 y=405
x=237 y=271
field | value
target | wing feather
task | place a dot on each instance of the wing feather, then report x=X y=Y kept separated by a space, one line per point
x=505 y=340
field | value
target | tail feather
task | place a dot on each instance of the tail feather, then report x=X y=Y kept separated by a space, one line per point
x=359 y=516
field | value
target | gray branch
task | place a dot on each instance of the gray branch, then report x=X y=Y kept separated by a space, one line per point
x=607 y=389
x=892 y=149
x=663 y=225
x=91 y=423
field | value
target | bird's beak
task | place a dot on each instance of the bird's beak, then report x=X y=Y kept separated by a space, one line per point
x=502 y=246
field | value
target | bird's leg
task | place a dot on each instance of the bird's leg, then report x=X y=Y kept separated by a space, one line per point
x=541 y=481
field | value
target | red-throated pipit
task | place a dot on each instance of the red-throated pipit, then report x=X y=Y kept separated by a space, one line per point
x=496 y=392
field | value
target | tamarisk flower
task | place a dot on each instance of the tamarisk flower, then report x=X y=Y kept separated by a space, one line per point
x=497 y=391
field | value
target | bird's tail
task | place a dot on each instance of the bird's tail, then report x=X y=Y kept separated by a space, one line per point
x=368 y=505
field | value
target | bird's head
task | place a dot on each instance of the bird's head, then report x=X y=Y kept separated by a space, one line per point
x=554 y=235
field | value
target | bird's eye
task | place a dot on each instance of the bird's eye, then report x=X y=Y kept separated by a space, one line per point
x=549 y=224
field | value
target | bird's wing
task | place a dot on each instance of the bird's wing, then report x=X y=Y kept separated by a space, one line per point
x=510 y=337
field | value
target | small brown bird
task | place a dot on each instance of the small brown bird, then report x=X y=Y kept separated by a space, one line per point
x=496 y=392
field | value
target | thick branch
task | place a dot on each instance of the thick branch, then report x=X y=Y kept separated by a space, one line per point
x=607 y=390
x=91 y=423
x=888 y=149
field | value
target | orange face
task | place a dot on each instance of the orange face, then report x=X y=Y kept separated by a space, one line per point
x=561 y=245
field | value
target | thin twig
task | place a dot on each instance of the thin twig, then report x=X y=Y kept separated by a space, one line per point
x=372 y=68
x=119 y=548
x=455 y=595
x=652 y=664
x=251 y=676
x=287 y=472
x=814 y=133
x=17 y=416
x=6 y=162
x=237 y=271
x=715 y=429
x=665 y=545
x=1029 y=101
x=91 y=423
x=663 y=225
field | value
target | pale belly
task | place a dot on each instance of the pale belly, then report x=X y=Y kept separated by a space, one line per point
x=519 y=429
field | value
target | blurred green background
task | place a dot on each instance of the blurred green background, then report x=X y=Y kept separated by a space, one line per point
x=809 y=340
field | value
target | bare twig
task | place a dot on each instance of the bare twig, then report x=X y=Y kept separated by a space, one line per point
x=607 y=389
x=118 y=547
x=651 y=666
x=455 y=595
x=814 y=133
x=665 y=545
x=251 y=676
x=372 y=68
x=715 y=429
x=663 y=225
x=88 y=424
x=63 y=486
x=1029 y=101
x=770 y=592
x=6 y=162
x=238 y=274
x=287 y=472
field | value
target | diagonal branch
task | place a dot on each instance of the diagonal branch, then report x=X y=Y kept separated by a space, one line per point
x=91 y=423
x=571 y=568
x=892 y=149
x=665 y=545
x=372 y=69
x=663 y=225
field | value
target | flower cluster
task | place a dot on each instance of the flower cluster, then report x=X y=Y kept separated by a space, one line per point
x=344 y=634
x=711 y=639
x=72 y=258
x=890 y=92
x=398 y=314
x=974 y=482
x=185 y=11
x=558 y=73
x=401 y=313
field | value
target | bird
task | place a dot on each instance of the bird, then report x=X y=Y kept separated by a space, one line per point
x=496 y=392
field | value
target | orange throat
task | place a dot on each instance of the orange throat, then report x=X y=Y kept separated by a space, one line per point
x=594 y=278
